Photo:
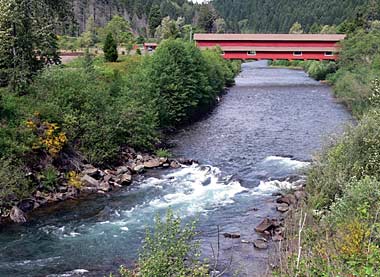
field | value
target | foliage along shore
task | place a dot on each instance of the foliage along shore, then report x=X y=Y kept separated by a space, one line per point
x=335 y=232
x=89 y=116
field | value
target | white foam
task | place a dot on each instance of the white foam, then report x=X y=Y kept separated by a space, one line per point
x=269 y=187
x=286 y=162
x=197 y=188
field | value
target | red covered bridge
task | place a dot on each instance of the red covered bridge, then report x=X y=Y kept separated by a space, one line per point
x=273 y=46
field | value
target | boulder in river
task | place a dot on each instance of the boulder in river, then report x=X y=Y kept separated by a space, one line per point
x=17 y=215
x=152 y=163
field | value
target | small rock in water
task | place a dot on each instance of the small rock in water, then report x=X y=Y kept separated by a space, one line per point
x=139 y=168
x=17 y=215
x=289 y=199
x=232 y=235
x=126 y=179
x=265 y=225
x=283 y=207
x=260 y=244
x=175 y=164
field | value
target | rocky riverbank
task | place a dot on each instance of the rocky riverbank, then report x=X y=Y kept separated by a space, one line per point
x=91 y=180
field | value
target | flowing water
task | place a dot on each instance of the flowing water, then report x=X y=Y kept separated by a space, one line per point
x=265 y=129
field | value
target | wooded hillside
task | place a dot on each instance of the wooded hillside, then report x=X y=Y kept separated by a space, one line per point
x=278 y=16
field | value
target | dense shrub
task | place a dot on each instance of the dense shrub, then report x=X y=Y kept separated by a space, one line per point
x=356 y=155
x=186 y=81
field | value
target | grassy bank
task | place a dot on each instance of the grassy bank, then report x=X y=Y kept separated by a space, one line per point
x=341 y=236
x=89 y=111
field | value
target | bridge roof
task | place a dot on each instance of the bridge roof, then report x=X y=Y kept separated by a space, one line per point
x=270 y=37
x=275 y=49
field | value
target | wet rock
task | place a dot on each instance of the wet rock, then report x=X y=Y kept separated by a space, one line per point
x=104 y=186
x=166 y=165
x=91 y=171
x=139 y=168
x=26 y=205
x=62 y=189
x=139 y=157
x=175 y=164
x=121 y=170
x=289 y=199
x=125 y=179
x=89 y=181
x=163 y=160
x=152 y=163
x=260 y=244
x=89 y=189
x=109 y=178
x=283 y=207
x=17 y=215
x=265 y=225
x=231 y=235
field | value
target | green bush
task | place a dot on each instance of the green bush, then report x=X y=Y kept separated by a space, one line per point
x=171 y=250
x=356 y=155
x=110 y=49
x=14 y=184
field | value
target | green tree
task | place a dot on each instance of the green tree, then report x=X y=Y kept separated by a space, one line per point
x=220 y=25
x=110 y=49
x=120 y=30
x=296 y=29
x=206 y=18
x=154 y=19
x=27 y=40
x=168 y=29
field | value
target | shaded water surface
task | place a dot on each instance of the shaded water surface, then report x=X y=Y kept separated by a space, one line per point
x=266 y=128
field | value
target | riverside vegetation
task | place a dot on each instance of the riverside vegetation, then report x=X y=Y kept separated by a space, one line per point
x=90 y=111
x=336 y=231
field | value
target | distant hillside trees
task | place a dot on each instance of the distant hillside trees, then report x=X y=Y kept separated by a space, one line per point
x=269 y=16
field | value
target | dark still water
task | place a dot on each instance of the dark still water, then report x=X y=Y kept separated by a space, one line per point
x=266 y=128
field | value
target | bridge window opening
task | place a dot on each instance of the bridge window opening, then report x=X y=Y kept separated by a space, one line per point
x=251 y=53
x=297 y=53
x=329 y=54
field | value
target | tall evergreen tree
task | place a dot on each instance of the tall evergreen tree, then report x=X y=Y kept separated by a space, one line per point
x=110 y=49
x=206 y=18
x=154 y=19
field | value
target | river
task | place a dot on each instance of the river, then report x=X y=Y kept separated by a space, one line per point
x=266 y=128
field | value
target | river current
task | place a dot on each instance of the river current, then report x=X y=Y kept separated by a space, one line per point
x=266 y=128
